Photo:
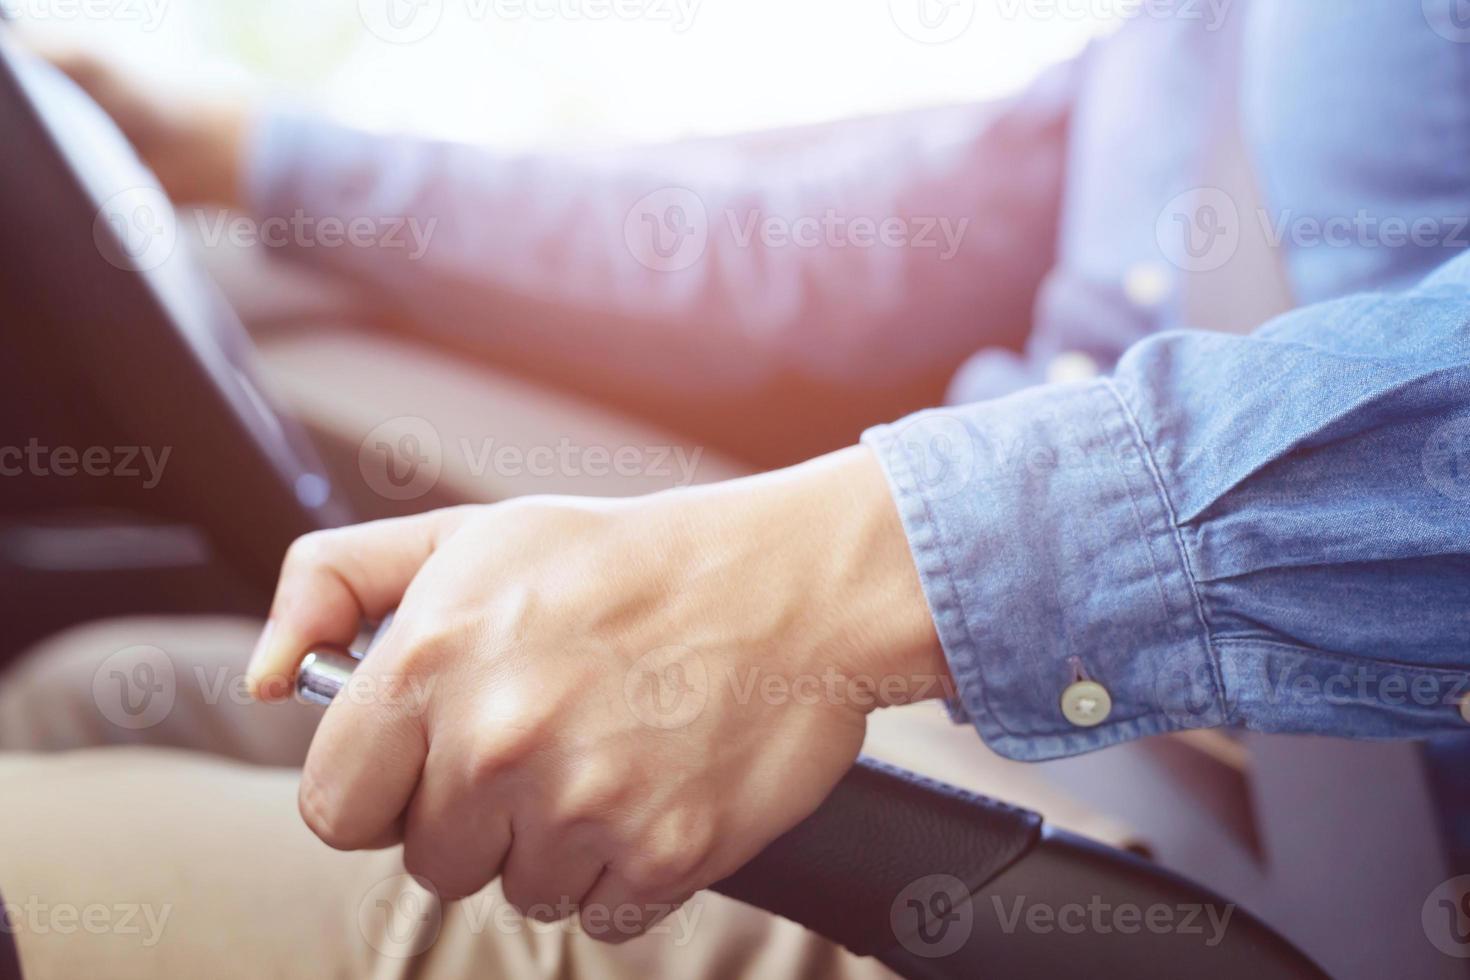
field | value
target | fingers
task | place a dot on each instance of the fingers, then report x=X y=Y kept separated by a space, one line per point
x=370 y=749
x=618 y=909
x=550 y=871
x=650 y=879
x=331 y=581
x=453 y=835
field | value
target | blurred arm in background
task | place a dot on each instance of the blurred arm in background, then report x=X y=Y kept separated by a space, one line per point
x=773 y=294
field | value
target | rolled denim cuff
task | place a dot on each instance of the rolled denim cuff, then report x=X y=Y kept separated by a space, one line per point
x=1052 y=566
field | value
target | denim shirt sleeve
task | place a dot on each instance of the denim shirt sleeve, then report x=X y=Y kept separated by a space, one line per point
x=1270 y=531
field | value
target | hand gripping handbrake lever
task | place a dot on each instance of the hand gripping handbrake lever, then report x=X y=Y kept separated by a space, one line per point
x=914 y=872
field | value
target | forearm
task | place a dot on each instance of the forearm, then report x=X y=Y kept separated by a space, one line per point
x=703 y=268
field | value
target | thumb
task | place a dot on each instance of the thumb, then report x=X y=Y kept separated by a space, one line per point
x=332 y=580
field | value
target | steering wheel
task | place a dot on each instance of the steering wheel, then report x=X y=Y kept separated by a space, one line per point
x=102 y=297
x=933 y=881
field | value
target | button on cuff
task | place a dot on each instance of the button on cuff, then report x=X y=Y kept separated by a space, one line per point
x=1086 y=704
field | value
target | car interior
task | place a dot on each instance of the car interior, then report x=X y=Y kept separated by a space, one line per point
x=266 y=381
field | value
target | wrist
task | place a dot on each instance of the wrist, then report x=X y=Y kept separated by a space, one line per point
x=896 y=636
x=222 y=152
x=200 y=159
x=862 y=606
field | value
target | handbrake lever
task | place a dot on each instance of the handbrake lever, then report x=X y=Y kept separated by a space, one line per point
x=323 y=674
x=325 y=671
x=891 y=861
x=837 y=871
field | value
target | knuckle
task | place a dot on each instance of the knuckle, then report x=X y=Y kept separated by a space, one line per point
x=671 y=852
x=599 y=930
x=422 y=861
x=321 y=815
x=506 y=746
x=400 y=691
x=591 y=794
x=452 y=878
x=659 y=868
x=699 y=842
x=612 y=925
x=492 y=756
x=426 y=646
x=514 y=889
x=531 y=899
x=307 y=550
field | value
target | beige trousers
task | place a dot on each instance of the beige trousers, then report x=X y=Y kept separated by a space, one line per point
x=148 y=828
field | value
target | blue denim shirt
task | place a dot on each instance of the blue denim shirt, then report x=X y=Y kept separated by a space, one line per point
x=1269 y=530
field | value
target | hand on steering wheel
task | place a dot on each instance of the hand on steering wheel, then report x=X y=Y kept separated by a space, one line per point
x=193 y=146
